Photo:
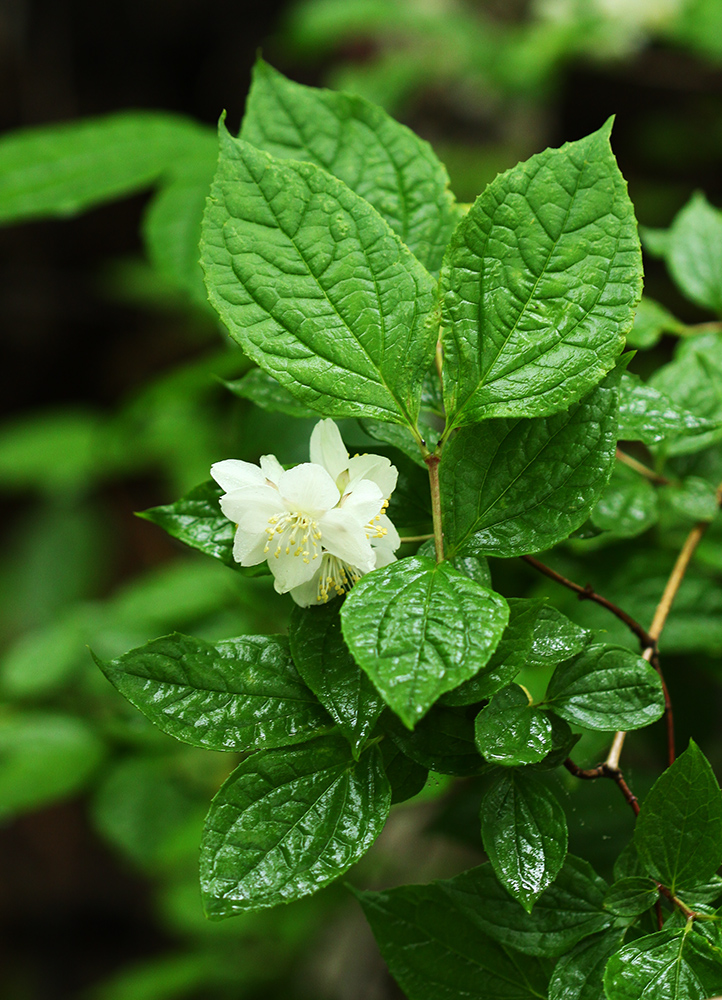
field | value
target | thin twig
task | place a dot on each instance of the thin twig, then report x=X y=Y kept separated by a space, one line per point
x=415 y=538
x=605 y=771
x=642 y=469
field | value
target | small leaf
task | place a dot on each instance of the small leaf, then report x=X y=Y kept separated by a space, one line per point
x=669 y=965
x=238 y=694
x=287 y=823
x=263 y=390
x=651 y=320
x=608 y=688
x=555 y=637
x=578 y=975
x=405 y=776
x=443 y=741
x=648 y=414
x=437 y=952
x=524 y=831
x=521 y=486
x=678 y=834
x=693 y=498
x=326 y=665
x=630 y=897
x=694 y=252
x=693 y=382
x=419 y=629
x=628 y=505
x=382 y=161
x=539 y=285
x=315 y=286
x=197 y=520
x=511 y=730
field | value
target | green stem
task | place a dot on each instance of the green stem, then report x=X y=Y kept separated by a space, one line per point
x=432 y=463
x=642 y=469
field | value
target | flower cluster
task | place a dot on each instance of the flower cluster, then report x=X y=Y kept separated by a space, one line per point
x=321 y=525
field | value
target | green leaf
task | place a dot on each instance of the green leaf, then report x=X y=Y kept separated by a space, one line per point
x=315 y=286
x=524 y=831
x=693 y=498
x=608 y=688
x=419 y=629
x=44 y=757
x=405 y=776
x=563 y=740
x=520 y=485
x=694 y=252
x=238 y=694
x=509 y=656
x=649 y=415
x=678 y=834
x=555 y=637
x=651 y=320
x=631 y=896
x=470 y=560
x=325 y=664
x=511 y=730
x=437 y=952
x=693 y=382
x=669 y=965
x=263 y=390
x=627 y=506
x=443 y=741
x=578 y=975
x=539 y=285
x=64 y=169
x=287 y=823
x=197 y=520
x=382 y=161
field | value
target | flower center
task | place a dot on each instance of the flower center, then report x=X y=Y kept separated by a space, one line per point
x=294 y=531
x=335 y=575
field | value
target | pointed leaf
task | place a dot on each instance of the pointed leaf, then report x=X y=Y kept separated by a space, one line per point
x=631 y=896
x=405 y=776
x=556 y=637
x=263 y=390
x=649 y=415
x=579 y=974
x=539 y=285
x=238 y=694
x=382 y=161
x=669 y=965
x=511 y=730
x=419 y=629
x=694 y=252
x=287 y=823
x=524 y=831
x=315 y=286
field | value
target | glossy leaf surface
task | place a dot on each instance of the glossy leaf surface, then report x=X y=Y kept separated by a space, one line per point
x=443 y=741
x=628 y=897
x=578 y=975
x=648 y=414
x=669 y=965
x=511 y=730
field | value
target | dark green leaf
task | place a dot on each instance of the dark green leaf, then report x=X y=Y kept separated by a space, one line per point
x=437 y=952
x=579 y=974
x=555 y=637
x=694 y=252
x=382 y=161
x=563 y=741
x=539 y=285
x=263 y=390
x=511 y=730
x=524 y=831
x=627 y=506
x=197 y=520
x=315 y=286
x=669 y=965
x=419 y=629
x=443 y=741
x=631 y=896
x=509 y=656
x=238 y=694
x=324 y=662
x=470 y=560
x=606 y=687
x=521 y=486
x=693 y=498
x=648 y=414
x=405 y=776
x=287 y=823
x=679 y=830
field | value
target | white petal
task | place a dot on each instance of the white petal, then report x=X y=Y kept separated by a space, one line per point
x=308 y=489
x=383 y=553
x=376 y=468
x=306 y=593
x=391 y=538
x=363 y=502
x=271 y=468
x=345 y=538
x=290 y=570
x=233 y=474
x=251 y=507
x=327 y=448
x=248 y=547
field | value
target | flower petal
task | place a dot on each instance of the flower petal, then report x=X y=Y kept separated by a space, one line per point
x=306 y=593
x=271 y=468
x=383 y=553
x=363 y=502
x=249 y=547
x=345 y=538
x=391 y=538
x=291 y=570
x=233 y=474
x=251 y=507
x=308 y=489
x=327 y=448
x=376 y=468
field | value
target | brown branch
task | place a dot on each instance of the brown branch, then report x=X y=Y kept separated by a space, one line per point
x=605 y=771
x=643 y=470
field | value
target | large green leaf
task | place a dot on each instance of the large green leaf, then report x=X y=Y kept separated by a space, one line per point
x=511 y=730
x=63 y=169
x=437 y=952
x=522 y=485
x=419 y=629
x=694 y=252
x=678 y=834
x=578 y=975
x=326 y=665
x=670 y=965
x=315 y=286
x=631 y=896
x=263 y=390
x=649 y=415
x=381 y=160
x=524 y=831
x=539 y=285
x=569 y=910
x=238 y=694
x=287 y=823
x=606 y=687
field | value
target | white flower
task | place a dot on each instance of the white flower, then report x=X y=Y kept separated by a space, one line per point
x=320 y=525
